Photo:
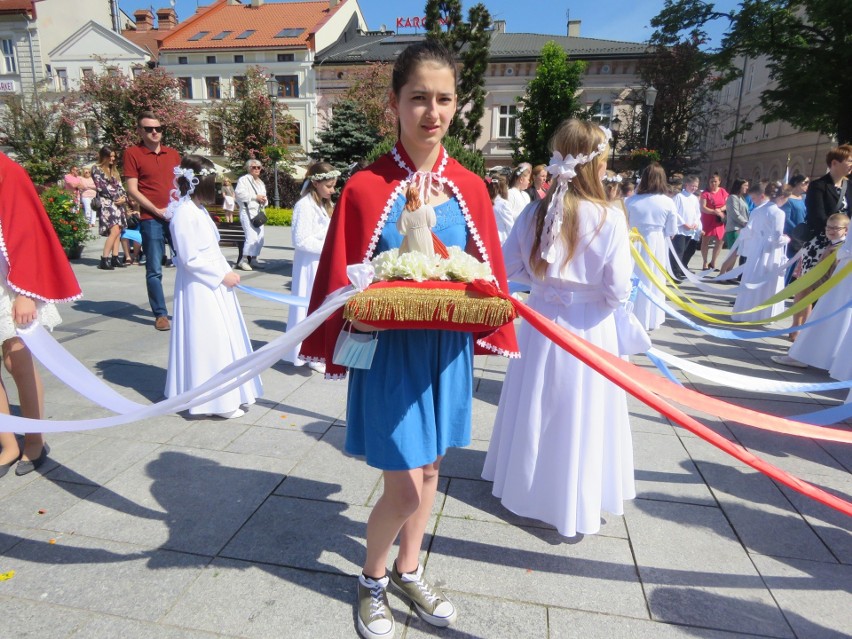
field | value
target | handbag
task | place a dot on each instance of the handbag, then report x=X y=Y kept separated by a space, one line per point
x=259 y=220
x=132 y=221
x=355 y=350
x=96 y=203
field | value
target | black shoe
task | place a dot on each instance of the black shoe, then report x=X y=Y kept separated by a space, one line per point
x=4 y=468
x=106 y=264
x=25 y=467
x=116 y=263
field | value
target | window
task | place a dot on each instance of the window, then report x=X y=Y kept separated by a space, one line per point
x=113 y=72
x=288 y=86
x=87 y=73
x=601 y=113
x=10 y=61
x=91 y=134
x=239 y=84
x=286 y=57
x=222 y=35
x=213 y=87
x=289 y=33
x=182 y=59
x=62 y=79
x=198 y=36
x=291 y=133
x=239 y=59
x=211 y=59
x=245 y=34
x=137 y=71
x=185 y=88
x=507 y=121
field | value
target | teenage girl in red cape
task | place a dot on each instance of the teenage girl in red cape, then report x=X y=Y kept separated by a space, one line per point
x=414 y=402
x=34 y=273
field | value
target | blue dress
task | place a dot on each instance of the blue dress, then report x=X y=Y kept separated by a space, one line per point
x=415 y=400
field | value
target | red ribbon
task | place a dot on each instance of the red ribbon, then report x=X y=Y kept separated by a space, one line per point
x=651 y=389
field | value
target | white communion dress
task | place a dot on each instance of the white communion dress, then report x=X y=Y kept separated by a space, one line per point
x=561 y=450
x=208 y=330
x=310 y=226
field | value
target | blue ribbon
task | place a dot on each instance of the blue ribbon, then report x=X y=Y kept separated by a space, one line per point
x=281 y=298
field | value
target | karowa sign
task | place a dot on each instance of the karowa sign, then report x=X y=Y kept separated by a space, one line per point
x=416 y=23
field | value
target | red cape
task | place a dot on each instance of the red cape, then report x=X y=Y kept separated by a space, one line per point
x=356 y=225
x=38 y=267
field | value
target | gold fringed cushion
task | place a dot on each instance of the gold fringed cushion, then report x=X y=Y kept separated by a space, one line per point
x=455 y=306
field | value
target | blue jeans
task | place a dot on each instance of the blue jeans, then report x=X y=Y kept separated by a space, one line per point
x=154 y=244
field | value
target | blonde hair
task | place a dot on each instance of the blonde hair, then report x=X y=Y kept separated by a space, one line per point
x=315 y=169
x=574 y=137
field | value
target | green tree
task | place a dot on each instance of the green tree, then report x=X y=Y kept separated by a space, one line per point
x=369 y=87
x=806 y=44
x=348 y=138
x=548 y=100
x=112 y=100
x=245 y=124
x=470 y=42
x=41 y=135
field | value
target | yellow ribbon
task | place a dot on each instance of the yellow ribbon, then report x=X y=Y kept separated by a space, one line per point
x=799 y=285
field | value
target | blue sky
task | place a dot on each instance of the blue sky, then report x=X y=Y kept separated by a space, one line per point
x=611 y=20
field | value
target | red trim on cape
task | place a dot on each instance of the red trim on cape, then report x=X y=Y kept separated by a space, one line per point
x=357 y=215
x=38 y=267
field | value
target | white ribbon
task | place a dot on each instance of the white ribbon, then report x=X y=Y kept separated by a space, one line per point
x=230 y=377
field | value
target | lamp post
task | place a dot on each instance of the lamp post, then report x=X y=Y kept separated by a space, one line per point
x=650 y=98
x=272 y=87
x=614 y=127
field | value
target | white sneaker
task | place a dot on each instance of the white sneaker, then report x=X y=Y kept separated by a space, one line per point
x=243 y=266
x=319 y=367
x=786 y=360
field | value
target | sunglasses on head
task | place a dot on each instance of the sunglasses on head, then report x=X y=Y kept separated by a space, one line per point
x=152 y=129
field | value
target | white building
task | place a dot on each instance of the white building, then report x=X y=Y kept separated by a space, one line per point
x=210 y=51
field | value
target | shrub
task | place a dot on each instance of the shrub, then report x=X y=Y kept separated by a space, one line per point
x=70 y=224
x=278 y=217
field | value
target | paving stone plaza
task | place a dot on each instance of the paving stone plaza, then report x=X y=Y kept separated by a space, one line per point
x=189 y=528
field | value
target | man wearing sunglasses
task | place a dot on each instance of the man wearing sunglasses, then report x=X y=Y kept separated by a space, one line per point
x=148 y=169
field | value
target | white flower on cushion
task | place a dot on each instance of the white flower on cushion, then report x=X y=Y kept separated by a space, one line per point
x=463 y=267
x=418 y=267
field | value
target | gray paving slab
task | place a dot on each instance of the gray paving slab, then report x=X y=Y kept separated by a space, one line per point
x=69 y=573
x=181 y=499
x=328 y=465
x=814 y=596
x=569 y=624
x=537 y=566
x=472 y=500
x=482 y=617
x=695 y=572
x=268 y=602
x=192 y=528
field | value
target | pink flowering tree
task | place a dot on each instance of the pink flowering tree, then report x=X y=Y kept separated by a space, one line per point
x=41 y=135
x=112 y=100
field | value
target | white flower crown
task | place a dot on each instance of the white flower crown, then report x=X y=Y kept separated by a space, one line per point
x=321 y=177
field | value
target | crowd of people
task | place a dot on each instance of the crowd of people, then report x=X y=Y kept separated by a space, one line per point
x=558 y=454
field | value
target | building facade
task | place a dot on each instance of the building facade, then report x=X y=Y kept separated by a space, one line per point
x=210 y=51
x=765 y=151
x=611 y=74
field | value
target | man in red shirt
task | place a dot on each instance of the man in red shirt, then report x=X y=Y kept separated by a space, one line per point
x=148 y=169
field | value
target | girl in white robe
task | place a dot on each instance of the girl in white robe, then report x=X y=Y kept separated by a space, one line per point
x=654 y=214
x=764 y=247
x=311 y=217
x=561 y=449
x=208 y=331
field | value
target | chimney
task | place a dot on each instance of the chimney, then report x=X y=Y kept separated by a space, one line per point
x=499 y=26
x=144 y=20
x=256 y=4
x=574 y=28
x=166 y=19
x=233 y=2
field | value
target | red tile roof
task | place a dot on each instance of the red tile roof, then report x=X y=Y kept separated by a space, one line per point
x=146 y=39
x=266 y=21
x=17 y=6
